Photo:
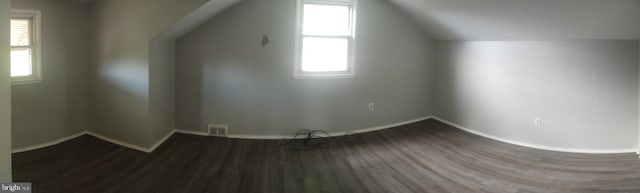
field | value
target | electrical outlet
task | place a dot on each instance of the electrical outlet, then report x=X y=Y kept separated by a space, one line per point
x=537 y=121
x=372 y=106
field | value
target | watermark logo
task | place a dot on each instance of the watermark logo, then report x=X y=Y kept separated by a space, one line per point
x=15 y=187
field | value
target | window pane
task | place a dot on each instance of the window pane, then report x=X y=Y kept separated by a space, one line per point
x=324 y=54
x=20 y=62
x=20 y=32
x=325 y=20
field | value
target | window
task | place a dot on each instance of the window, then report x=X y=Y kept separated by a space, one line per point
x=25 y=46
x=325 y=38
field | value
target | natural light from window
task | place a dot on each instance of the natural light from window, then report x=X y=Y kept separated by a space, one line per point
x=324 y=54
x=20 y=47
x=326 y=38
x=25 y=46
x=329 y=20
x=20 y=62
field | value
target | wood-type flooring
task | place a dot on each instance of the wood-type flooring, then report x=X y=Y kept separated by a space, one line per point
x=427 y=156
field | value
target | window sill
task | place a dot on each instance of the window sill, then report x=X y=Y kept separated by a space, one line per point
x=323 y=76
x=25 y=82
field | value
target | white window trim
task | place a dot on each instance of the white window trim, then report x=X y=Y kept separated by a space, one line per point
x=36 y=76
x=350 y=72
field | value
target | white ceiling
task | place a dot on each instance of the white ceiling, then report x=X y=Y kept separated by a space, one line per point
x=525 y=19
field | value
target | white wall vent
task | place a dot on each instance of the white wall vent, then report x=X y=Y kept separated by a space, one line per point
x=218 y=130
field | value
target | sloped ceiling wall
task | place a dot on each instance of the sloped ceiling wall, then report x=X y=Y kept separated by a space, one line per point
x=525 y=19
x=126 y=79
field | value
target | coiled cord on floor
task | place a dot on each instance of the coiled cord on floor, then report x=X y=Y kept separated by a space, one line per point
x=311 y=139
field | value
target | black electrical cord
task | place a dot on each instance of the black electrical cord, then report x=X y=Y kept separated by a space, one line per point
x=311 y=139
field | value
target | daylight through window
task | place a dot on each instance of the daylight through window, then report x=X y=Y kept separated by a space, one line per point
x=24 y=45
x=325 y=38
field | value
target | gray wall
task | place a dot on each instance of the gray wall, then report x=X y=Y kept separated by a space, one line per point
x=224 y=75
x=131 y=92
x=171 y=26
x=119 y=76
x=165 y=13
x=585 y=91
x=55 y=108
x=5 y=95
x=161 y=88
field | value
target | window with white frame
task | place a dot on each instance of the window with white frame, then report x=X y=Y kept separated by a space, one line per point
x=25 y=46
x=325 y=38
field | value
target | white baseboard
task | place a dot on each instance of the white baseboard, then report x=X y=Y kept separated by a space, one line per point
x=55 y=142
x=370 y=129
x=235 y=136
x=118 y=142
x=239 y=136
x=390 y=125
x=200 y=133
x=102 y=137
x=161 y=141
x=535 y=146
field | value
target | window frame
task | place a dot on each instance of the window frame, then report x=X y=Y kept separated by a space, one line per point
x=34 y=46
x=351 y=39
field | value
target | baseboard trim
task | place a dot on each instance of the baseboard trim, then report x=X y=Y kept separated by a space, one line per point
x=199 y=133
x=161 y=141
x=542 y=147
x=240 y=136
x=44 y=145
x=370 y=129
x=118 y=142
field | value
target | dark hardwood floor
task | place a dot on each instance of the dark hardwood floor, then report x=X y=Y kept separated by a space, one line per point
x=428 y=156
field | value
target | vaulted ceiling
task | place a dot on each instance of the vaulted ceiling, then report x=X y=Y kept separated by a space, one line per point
x=525 y=19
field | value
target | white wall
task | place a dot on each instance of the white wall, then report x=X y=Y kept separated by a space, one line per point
x=585 y=91
x=224 y=75
x=55 y=108
x=5 y=95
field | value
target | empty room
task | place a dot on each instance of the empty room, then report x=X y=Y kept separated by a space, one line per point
x=326 y=96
